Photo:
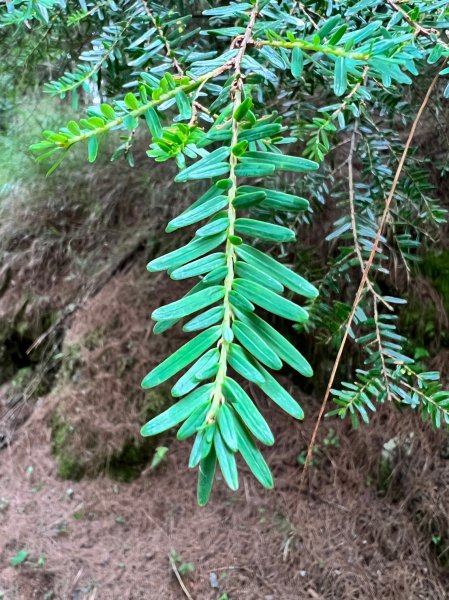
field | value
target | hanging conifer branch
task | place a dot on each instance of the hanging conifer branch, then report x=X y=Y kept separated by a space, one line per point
x=228 y=104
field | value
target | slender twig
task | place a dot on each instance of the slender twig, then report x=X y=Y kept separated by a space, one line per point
x=339 y=167
x=224 y=344
x=425 y=397
x=129 y=142
x=192 y=85
x=354 y=90
x=342 y=412
x=98 y=65
x=430 y=33
x=365 y=276
x=351 y=197
x=246 y=39
x=381 y=354
x=313 y=47
x=340 y=109
x=196 y=105
x=305 y=12
x=179 y=578
x=163 y=37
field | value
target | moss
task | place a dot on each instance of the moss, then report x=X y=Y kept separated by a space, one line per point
x=69 y=468
x=68 y=465
x=129 y=462
x=71 y=362
x=22 y=378
x=155 y=402
x=94 y=338
x=85 y=455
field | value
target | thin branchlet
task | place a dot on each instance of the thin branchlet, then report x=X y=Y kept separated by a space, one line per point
x=236 y=94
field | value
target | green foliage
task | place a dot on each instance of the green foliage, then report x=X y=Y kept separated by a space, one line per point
x=159 y=456
x=265 y=76
x=19 y=558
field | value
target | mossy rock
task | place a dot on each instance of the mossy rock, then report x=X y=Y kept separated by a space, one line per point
x=17 y=387
x=74 y=355
x=156 y=401
x=127 y=464
x=80 y=449
x=134 y=456
x=69 y=467
x=70 y=363
x=21 y=379
x=95 y=338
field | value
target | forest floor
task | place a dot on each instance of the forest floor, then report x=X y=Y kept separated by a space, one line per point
x=340 y=538
x=371 y=522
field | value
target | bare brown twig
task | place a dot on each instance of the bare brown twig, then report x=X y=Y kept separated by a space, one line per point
x=164 y=39
x=245 y=39
x=179 y=578
x=416 y=26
